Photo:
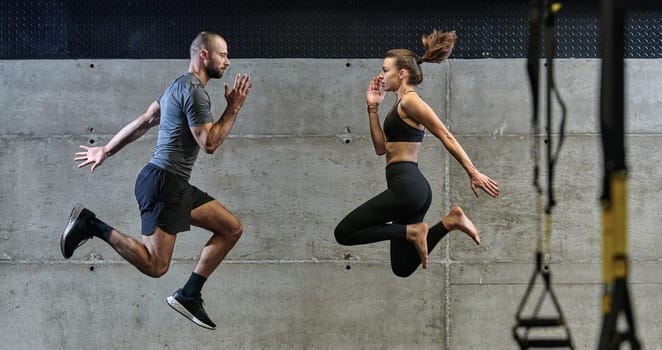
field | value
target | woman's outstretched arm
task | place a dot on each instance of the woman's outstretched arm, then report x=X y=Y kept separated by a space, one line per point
x=415 y=108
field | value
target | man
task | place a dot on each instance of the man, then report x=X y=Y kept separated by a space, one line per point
x=168 y=203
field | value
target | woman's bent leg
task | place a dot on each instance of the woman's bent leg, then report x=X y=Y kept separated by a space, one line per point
x=369 y=222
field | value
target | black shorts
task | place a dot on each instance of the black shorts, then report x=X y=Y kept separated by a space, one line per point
x=166 y=200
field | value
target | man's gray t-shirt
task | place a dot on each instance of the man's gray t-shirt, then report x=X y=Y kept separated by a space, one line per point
x=184 y=104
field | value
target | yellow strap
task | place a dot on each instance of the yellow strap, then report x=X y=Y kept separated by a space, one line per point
x=539 y=234
x=619 y=208
x=547 y=246
x=614 y=237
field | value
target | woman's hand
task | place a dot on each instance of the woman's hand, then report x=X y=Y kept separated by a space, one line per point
x=375 y=95
x=478 y=180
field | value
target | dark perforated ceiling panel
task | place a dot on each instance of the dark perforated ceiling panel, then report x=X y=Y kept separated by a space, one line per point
x=303 y=29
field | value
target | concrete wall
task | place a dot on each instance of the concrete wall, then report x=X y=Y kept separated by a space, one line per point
x=299 y=159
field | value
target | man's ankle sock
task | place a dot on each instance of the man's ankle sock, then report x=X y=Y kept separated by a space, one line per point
x=194 y=285
x=99 y=228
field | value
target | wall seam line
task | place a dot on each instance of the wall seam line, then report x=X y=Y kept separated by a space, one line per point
x=446 y=201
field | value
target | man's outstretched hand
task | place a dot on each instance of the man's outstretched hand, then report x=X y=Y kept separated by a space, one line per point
x=92 y=155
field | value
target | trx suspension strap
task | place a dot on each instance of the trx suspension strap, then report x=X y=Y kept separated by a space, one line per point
x=615 y=297
x=542 y=15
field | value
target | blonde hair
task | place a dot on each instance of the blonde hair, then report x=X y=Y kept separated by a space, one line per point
x=438 y=46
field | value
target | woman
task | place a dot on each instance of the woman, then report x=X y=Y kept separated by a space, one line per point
x=397 y=213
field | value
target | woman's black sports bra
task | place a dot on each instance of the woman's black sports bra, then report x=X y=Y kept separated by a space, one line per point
x=396 y=130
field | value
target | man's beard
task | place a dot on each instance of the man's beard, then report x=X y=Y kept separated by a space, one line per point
x=213 y=72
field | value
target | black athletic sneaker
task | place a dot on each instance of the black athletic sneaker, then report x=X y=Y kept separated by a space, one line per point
x=191 y=308
x=77 y=231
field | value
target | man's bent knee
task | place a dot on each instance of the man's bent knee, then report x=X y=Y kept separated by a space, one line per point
x=157 y=272
x=235 y=231
x=157 y=269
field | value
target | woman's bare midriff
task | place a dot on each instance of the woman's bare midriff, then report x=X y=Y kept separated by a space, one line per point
x=402 y=152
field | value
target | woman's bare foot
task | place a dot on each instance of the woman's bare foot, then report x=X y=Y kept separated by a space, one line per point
x=456 y=220
x=418 y=234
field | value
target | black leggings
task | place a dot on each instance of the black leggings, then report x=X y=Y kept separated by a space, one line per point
x=386 y=216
